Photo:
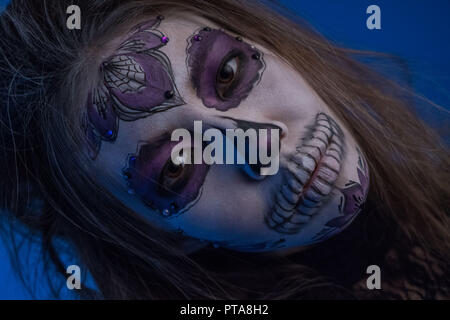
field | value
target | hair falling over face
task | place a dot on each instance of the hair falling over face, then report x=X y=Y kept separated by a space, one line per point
x=48 y=192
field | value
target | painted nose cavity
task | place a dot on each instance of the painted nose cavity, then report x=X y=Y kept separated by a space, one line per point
x=282 y=127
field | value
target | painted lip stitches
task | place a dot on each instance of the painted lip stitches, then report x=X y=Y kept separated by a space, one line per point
x=310 y=177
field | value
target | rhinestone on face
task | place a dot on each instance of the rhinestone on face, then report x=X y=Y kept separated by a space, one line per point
x=164 y=39
x=173 y=206
x=198 y=37
x=169 y=94
x=126 y=175
x=165 y=212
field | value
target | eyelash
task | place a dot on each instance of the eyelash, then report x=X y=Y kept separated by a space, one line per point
x=240 y=68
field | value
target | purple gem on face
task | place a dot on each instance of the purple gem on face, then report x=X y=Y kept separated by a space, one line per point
x=164 y=39
x=198 y=37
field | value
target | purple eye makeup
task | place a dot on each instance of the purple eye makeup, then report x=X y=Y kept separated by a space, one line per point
x=161 y=184
x=223 y=68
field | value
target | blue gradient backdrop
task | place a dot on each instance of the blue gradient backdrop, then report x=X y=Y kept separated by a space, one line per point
x=417 y=31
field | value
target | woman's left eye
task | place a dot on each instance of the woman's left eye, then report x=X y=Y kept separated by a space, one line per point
x=165 y=185
x=227 y=75
x=174 y=176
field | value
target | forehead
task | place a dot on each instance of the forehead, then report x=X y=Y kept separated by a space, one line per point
x=178 y=27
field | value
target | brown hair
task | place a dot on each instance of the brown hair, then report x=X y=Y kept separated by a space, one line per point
x=43 y=67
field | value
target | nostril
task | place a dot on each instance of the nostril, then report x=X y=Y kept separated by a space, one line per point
x=283 y=130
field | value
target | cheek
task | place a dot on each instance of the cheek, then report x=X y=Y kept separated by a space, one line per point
x=283 y=95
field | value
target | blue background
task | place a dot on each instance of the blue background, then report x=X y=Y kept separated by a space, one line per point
x=418 y=31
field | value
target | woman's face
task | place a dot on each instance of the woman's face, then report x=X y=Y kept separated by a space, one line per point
x=167 y=73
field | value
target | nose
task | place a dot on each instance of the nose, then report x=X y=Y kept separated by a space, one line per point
x=282 y=127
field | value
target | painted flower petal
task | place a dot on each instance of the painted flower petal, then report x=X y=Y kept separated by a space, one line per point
x=355 y=195
x=125 y=74
x=101 y=115
x=93 y=140
x=364 y=179
x=143 y=37
x=142 y=41
x=138 y=81
x=147 y=25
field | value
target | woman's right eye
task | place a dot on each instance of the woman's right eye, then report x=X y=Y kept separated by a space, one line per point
x=227 y=76
x=224 y=69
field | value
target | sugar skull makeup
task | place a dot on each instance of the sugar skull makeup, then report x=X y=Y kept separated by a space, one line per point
x=227 y=82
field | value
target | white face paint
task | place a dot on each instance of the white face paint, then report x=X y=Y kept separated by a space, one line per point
x=322 y=179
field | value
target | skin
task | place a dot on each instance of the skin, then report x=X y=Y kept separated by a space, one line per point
x=229 y=208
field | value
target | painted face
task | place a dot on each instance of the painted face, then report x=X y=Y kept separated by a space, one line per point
x=163 y=75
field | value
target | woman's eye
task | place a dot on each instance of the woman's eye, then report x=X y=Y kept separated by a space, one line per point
x=226 y=77
x=224 y=69
x=173 y=170
x=174 y=176
x=165 y=185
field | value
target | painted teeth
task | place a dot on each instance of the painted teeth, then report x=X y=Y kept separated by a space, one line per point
x=327 y=174
x=283 y=203
x=282 y=212
x=295 y=186
x=290 y=196
x=332 y=163
x=321 y=135
x=334 y=153
x=308 y=203
x=311 y=150
x=301 y=175
x=307 y=162
x=323 y=186
x=313 y=195
x=294 y=206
